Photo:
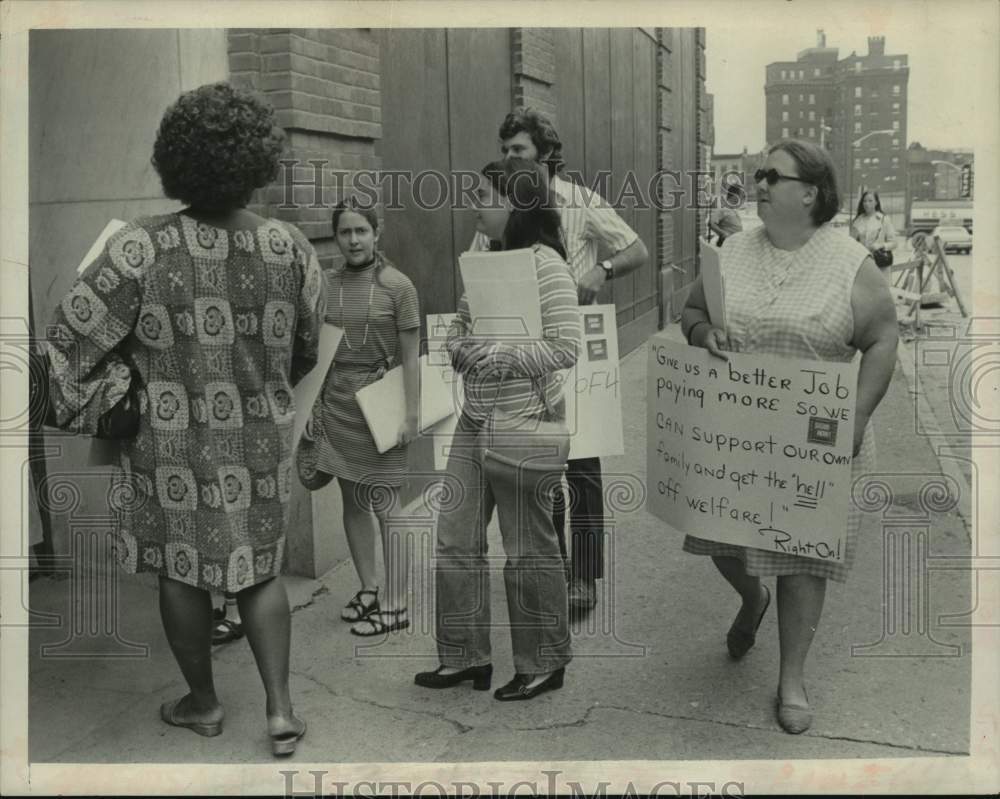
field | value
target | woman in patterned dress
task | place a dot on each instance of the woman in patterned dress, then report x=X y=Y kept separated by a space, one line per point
x=510 y=387
x=214 y=312
x=799 y=288
x=377 y=308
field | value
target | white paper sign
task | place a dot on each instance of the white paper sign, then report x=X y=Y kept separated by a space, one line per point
x=101 y=451
x=308 y=389
x=98 y=246
x=755 y=451
x=712 y=283
x=383 y=404
x=591 y=388
x=439 y=363
x=502 y=291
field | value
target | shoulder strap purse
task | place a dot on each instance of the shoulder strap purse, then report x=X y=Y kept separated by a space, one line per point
x=537 y=445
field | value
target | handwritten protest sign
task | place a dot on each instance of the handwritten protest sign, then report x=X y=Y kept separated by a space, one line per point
x=754 y=452
x=591 y=387
x=440 y=368
x=712 y=284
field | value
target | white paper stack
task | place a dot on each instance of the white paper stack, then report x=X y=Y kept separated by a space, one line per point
x=502 y=290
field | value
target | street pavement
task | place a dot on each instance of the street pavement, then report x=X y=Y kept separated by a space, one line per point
x=651 y=679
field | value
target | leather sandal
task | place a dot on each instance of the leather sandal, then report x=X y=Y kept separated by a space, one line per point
x=226 y=630
x=375 y=623
x=284 y=743
x=168 y=712
x=356 y=609
x=739 y=642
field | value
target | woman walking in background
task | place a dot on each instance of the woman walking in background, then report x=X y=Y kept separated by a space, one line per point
x=873 y=229
x=509 y=451
x=796 y=287
x=202 y=321
x=377 y=308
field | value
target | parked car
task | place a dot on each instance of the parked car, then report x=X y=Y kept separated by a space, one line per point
x=954 y=238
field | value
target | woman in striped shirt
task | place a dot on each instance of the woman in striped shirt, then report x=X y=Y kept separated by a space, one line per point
x=512 y=393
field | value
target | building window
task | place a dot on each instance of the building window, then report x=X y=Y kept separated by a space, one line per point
x=802 y=74
x=857 y=127
x=857 y=66
x=895 y=89
x=896 y=63
x=857 y=109
x=784 y=133
x=812 y=116
x=784 y=74
x=784 y=99
x=867 y=161
x=816 y=72
x=895 y=124
x=857 y=163
x=784 y=116
x=812 y=99
x=812 y=133
x=895 y=160
x=895 y=142
x=875 y=160
x=857 y=91
x=895 y=107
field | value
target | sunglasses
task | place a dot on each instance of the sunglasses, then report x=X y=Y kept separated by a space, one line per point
x=772 y=176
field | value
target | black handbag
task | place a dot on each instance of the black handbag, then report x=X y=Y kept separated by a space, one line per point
x=883 y=258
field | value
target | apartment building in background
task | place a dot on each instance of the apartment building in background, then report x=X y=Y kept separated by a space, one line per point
x=855 y=107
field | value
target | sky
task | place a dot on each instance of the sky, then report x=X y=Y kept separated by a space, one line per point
x=943 y=52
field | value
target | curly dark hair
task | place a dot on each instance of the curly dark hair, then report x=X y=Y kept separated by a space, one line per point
x=534 y=218
x=215 y=146
x=542 y=132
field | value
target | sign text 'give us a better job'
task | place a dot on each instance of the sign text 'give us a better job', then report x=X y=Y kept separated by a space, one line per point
x=755 y=451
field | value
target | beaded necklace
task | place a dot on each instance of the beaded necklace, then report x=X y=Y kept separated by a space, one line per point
x=368 y=314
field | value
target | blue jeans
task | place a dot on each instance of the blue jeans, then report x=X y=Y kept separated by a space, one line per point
x=533 y=573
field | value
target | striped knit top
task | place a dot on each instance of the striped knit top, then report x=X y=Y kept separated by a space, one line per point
x=512 y=378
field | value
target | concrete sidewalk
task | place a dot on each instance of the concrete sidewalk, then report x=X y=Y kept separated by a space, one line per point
x=651 y=678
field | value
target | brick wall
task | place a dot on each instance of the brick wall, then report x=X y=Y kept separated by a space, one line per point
x=533 y=64
x=325 y=87
x=665 y=161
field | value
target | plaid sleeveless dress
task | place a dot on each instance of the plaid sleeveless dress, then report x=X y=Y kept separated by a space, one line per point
x=795 y=304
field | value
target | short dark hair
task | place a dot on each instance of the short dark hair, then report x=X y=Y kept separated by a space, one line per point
x=861 y=202
x=534 y=218
x=816 y=168
x=542 y=132
x=216 y=144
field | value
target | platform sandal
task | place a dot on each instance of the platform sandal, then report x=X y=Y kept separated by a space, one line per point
x=378 y=622
x=356 y=609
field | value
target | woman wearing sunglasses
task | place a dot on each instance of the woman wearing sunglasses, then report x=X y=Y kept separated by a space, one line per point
x=796 y=287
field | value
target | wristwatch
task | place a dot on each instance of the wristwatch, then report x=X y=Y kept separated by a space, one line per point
x=609 y=270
